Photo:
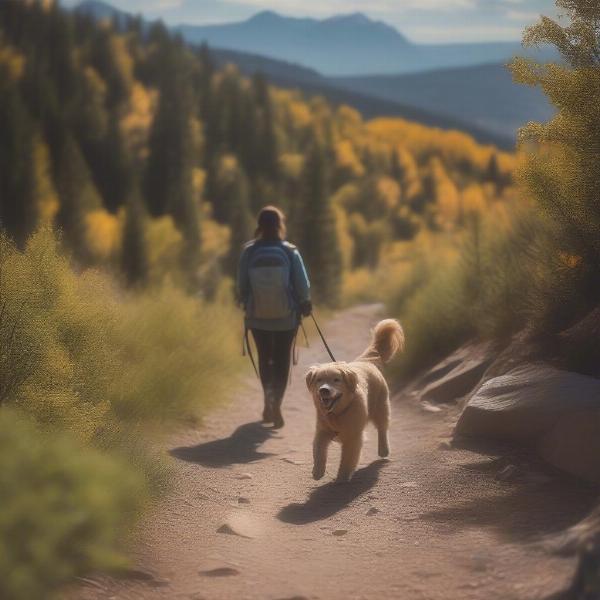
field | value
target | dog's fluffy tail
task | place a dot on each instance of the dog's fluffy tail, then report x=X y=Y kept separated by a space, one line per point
x=388 y=338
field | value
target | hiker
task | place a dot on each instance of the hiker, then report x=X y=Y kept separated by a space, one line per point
x=274 y=290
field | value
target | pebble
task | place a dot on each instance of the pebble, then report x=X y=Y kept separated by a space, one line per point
x=220 y=572
x=339 y=532
x=243 y=500
x=244 y=476
x=372 y=511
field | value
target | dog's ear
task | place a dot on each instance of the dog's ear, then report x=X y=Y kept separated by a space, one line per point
x=310 y=377
x=350 y=378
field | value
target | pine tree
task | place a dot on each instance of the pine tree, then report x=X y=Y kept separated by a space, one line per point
x=78 y=196
x=134 y=254
x=320 y=245
x=494 y=175
x=19 y=210
x=562 y=170
x=233 y=208
x=169 y=171
x=266 y=140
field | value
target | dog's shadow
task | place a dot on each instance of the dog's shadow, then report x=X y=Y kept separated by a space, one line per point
x=327 y=500
x=241 y=447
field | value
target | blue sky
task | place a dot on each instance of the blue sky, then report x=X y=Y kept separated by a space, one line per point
x=427 y=21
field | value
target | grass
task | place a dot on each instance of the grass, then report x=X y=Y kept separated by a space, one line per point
x=499 y=277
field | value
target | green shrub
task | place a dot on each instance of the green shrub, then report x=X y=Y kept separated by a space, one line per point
x=64 y=508
x=503 y=277
x=99 y=373
x=85 y=356
x=435 y=317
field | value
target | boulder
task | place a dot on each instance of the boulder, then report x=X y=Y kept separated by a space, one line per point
x=580 y=344
x=527 y=403
x=573 y=444
x=457 y=374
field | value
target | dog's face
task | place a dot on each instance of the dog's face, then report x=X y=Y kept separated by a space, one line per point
x=332 y=385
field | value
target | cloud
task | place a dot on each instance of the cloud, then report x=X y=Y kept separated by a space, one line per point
x=141 y=6
x=318 y=7
x=522 y=16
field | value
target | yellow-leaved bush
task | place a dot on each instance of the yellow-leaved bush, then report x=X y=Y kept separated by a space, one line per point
x=93 y=371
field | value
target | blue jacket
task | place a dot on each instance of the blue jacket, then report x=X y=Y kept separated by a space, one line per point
x=300 y=287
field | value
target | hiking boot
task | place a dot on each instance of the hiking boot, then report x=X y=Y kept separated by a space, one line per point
x=278 y=421
x=267 y=416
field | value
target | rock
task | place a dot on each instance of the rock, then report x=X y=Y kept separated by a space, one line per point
x=526 y=403
x=426 y=407
x=573 y=444
x=243 y=500
x=244 y=476
x=241 y=524
x=220 y=572
x=339 y=532
x=579 y=536
x=583 y=539
x=373 y=511
x=458 y=374
x=522 y=349
x=292 y=461
x=580 y=344
x=553 y=411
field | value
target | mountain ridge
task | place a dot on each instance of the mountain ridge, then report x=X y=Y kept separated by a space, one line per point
x=344 y=45
x=478 y=99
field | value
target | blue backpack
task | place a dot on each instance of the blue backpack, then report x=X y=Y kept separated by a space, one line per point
x=270 y=275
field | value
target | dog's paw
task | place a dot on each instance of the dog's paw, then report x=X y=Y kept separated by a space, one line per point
x=383 y=448
x=343 y=478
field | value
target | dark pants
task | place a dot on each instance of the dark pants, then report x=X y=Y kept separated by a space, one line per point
x=274 y=357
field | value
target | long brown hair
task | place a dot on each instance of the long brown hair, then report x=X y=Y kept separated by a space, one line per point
x=271 y=224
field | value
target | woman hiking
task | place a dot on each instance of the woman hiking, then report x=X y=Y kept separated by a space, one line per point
x=274 y=290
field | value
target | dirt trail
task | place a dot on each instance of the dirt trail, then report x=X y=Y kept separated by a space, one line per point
x=432 y=523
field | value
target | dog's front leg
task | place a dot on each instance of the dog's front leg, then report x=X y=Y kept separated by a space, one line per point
x=351 y=448
x=320 y=446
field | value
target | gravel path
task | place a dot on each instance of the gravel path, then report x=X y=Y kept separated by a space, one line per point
x=246 y=521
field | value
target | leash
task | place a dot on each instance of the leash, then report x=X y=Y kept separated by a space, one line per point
x=323 y=338
x=246 y=347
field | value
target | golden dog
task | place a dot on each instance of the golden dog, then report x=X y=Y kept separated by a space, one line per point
x=348 y=395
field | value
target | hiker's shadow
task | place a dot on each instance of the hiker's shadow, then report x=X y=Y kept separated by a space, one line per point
x=240 y=447
x=328 y=499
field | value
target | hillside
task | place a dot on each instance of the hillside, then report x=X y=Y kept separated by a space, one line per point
x=484 y=95
x=134 y=136
x=311 y=83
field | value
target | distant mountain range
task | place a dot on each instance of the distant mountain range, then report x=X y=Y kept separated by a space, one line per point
x=484 y=96
x=344 y=45
x=290 y=76
x=480 y=99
